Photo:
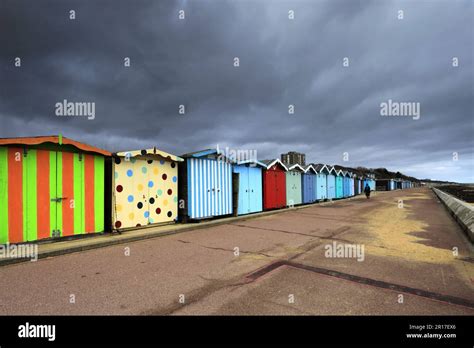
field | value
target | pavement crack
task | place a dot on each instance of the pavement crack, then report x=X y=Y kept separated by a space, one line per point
x=196 y=295
x=240 y=251
x=363 y=280
x=228 y=250
x=274 y=230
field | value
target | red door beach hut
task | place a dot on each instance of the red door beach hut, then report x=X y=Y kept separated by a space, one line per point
x=274 y=184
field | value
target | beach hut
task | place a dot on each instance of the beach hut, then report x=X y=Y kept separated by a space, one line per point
x=274 y=184
x=293 y=185
x=249 y=195
x=356 y=179
x=351 y=184
x=339 y=184
x=144 y=188
x=346 y=184
x=398 y=184
x=205 y=185
x=322 y=181
x=308 y=184
x=382 y=184
x=370 y=180
x=385 y=184
x=50 y=187
x=365 y=183
x=331 y=183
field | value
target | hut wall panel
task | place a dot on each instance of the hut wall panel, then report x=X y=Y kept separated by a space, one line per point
x=308 y=187
x=53 y=193
x=339 y=186
x=99 y=191
x=44 y=194
x=89 y=192
x=4 y=203
x=345 y=186
x=255 y=185
x=30 y=228
x=15 y=195
x=244 y=193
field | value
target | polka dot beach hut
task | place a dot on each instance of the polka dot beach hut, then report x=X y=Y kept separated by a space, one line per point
x=145 y=188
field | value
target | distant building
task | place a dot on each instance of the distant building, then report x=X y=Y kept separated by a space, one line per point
x=292 y=158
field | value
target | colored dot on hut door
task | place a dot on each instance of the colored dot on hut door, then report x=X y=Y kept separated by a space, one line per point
x=150 y=183
x=130 y=198
x=147 y=214
x=175 y=179
x=119 y=188
x=164 y=176
x=144 y=170
x=140 y=187
x=131 y=216
x=155 y=171
x=129 y=172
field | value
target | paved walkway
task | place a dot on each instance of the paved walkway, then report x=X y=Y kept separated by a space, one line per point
x=408 y=266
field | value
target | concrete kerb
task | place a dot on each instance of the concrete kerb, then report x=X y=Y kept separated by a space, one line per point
x=109 y=239
x=462 y=212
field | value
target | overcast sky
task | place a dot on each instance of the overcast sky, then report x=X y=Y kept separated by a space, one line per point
x=283 y=61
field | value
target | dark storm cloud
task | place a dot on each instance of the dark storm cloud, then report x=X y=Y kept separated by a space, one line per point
x=282 y=62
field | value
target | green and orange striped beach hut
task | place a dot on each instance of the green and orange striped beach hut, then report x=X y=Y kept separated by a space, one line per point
x=50 y=187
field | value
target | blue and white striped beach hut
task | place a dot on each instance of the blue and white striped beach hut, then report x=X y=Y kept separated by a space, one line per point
x=205 y=189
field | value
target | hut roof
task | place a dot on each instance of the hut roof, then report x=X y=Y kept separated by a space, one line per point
x=54 y=139
x=150 y=152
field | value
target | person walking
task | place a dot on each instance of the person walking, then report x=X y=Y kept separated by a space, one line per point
x=367 y=191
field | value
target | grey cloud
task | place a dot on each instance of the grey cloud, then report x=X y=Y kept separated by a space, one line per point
x=282 y=62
